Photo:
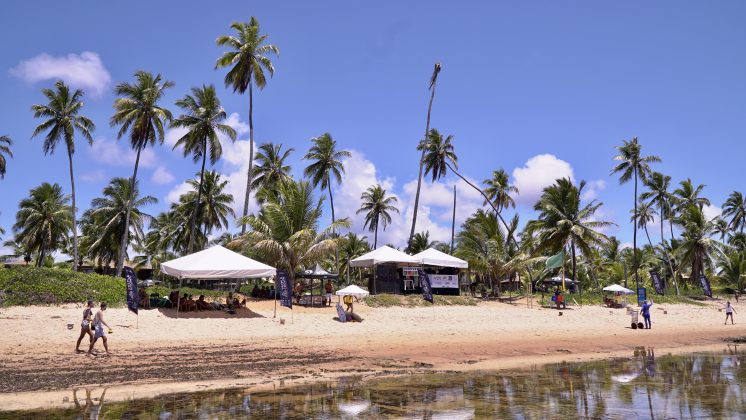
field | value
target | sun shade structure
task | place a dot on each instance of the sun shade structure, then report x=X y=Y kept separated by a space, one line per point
x=383 y=255
x=432 y=256
x=618 y=289
x=316 y=273
x=216 y=263
x=352 y=290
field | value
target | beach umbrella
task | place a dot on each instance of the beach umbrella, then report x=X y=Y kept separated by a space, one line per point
x=618 y=289
x=353 y=290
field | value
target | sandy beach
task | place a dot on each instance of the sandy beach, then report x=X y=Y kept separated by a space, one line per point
x=158 y=353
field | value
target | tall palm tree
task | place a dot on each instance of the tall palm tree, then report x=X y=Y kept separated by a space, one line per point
x=326 y=162
x=735 y=208
x=687 y=194
x=698 y=248
x=61 y=120
x=499 y=190
x=658 y=195
x=137 y=111
x=633 y=166
x=433 y=83
x=43 y=220
x=5 y=143
x=203 y=118
x=563 y=221
x=377 y=208
x=248 y=59
x=213 y=204
x=271 y=170
x=645 y=215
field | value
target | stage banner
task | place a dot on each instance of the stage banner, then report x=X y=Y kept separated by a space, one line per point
x=427 y=288
x=657 y=282
x=705 y=285
x=444 y=281
x=286 y=289
x=130 y=280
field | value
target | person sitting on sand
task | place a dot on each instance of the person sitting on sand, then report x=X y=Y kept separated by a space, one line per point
x=144 y=299
x=202 y=305
x=729 y=309
x=85 y=326
x=173 y=298
x=348 y=303
x=229 y=300
x=98 y=327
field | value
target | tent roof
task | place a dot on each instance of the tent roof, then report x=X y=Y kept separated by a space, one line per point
x=216 y=263
x=352 y=290
x=384 y=254
x=316 y=273
x=618 y=288
x=432 y=256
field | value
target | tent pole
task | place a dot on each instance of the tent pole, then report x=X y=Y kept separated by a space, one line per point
x=275 y=312
x=178 y=299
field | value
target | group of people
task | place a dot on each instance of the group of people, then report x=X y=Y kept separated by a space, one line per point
x=93 y=326
x=300 y=287
x=187 y=303
x=263 y=292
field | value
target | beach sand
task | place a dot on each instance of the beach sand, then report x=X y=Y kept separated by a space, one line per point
x=158 y=353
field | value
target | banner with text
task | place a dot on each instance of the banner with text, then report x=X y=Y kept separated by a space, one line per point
x=427 y=288
x=657 y=282
x=130 y=280
x=444 y=281
x=705 y=285
x=286 y=289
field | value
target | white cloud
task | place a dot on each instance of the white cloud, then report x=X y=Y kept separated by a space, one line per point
x=84 y=70
x=711 y=211
x=592 y=188
x=93 y=176
x=173 y=135
x=177 y=191
x=625 y=245
x=539 y=172
x=162 y=176
x=110 y=152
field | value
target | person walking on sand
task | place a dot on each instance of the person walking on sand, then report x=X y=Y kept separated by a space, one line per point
x=329 y=288
x=646 y=313
x=98 y=327
x=85 y=326
x=729 y=309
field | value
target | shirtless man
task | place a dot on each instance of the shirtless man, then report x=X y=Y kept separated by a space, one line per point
x=99 y=332
x=85 y=326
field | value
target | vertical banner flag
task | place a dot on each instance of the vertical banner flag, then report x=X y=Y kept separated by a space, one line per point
x=427 y=289
x=705 y=285
x=131 y=280
x=285 y=288
x=657 y=283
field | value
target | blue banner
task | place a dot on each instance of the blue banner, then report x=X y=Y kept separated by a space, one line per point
x=657 y=282
x=642 y=294
x=130 y=279
x=285 y=287
x=705 y=285
x=427 y=288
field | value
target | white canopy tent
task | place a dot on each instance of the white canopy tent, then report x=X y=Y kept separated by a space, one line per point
x=432 y=256
x=618 y=289
x=383 y=255
x=353 y=290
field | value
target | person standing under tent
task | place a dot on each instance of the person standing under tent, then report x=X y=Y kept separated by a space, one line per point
x=646 y=313
x=729 y=309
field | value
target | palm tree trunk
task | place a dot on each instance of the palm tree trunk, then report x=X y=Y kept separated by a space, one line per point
x=74 y=210
x=251 y=157
x=334 y=229
x=375 y=237
x=668 y=258
x=634 y=239
x=422 y=164
x=648 y=235
x=453 y=221
x=125 y=234
x=574 y=267
x=199 y=200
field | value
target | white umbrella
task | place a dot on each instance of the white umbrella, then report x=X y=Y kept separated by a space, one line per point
x=353 y=408
x=352 y=290
x=618 y=289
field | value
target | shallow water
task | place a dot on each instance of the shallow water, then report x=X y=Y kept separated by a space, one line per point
x=644 y=385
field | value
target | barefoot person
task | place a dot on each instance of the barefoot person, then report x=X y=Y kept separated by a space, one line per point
x=729 y=309
x=98 y=327
x=85 y=326
x=646 y=313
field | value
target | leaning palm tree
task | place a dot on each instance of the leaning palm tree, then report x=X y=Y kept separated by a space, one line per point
x=698 y=248
x=137 y=111
x=433 y=82
x=633 y=166
x=499 y=190
x=207 y=203
x=43 y=220
x=271 y=169
x=377 y=208
x=735 y=208
x=203 y=118
x=248 y=59
x=61 y=120
x=645 y=215
x=5 y=143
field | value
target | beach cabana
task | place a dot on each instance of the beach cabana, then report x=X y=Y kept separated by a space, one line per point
x=317 y=273
x=618 y=300
x=615 y=288
x=393 y=270
x=444 y=270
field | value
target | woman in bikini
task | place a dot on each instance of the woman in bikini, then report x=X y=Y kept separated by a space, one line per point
x=85 y=326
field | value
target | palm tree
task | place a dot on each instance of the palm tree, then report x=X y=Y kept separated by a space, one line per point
x=645 y=214
x=633 y=166
x=563 y=221
x=286 y=234
x=271 y=169
x=137 y=111
x=720 y=228
x=5 y=143
x=687 y=194
x=658 y=195
x=104 y=223
x=499 y=190
x=735 y=208
x=738 y=241
x=433 y=82
x=213 y=204
x=61 y=121
x=43 y=220
x=697 y=246
x=248 y=59
x=421 y=242
x=377 y=208
x=733 y=269
x=482 y=243
x=351 y=247
x=203 y=119
x=326 y=162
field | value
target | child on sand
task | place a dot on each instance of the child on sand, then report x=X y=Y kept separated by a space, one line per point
x=98 y=327
x=85 y=326
x=729 y=313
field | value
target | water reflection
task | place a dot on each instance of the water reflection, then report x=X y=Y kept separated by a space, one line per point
x=643 y=385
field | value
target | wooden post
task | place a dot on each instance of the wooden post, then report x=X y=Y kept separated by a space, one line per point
x=178 y=299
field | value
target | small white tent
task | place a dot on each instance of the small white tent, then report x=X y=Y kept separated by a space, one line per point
x=216 y=263
x=352 y=290
x=383 y=255
x=432 y=256
x=618 y=289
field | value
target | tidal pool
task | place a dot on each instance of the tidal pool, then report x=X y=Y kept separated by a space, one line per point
x=644 y=385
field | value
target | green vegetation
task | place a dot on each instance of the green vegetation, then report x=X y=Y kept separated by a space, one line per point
x=49 y=286
x=596 y=298
x=411 y=301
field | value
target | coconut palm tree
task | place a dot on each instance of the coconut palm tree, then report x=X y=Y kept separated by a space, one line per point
x=286 y=232
x=43 y=220
x=499 y=190
x=137 y=111
x=732 y=269
x=735 y=208
x=421 y=242
x=645 y=215
x=61 y=119
x=564 y=222
x=721 y=228
x=5 y=152
x=104 y=223
x=377 y=208
x=633 y=166
x=433 y=82
x=271 y=169
x=738 y=241
x=698 y=248
x=203 y=118
x=352 y=246
x=248 y=59
x=213 y=204
x=687 y=194
x=658 y=195
x=482 y=244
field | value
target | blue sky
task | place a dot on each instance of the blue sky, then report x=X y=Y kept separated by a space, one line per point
x=541 y=89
